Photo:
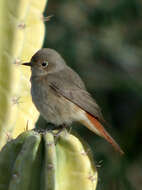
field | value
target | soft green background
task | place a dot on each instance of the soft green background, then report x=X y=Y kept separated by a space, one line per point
x=102 y=41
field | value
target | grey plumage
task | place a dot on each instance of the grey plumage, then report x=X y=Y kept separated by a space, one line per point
x=61 y=96
x=52 y=89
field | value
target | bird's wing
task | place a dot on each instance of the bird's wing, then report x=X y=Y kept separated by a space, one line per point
x=79 y=96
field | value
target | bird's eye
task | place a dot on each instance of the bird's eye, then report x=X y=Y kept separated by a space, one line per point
x=44 y=64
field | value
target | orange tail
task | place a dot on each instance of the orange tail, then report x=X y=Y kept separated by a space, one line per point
x=99 y=130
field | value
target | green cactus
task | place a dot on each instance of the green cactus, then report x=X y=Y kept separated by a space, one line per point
x=21 y=36
x=44 y=161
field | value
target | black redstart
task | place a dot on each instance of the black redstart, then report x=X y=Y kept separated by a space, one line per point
x=61 y=96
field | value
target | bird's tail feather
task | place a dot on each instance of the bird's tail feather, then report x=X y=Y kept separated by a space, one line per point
x=94 y=125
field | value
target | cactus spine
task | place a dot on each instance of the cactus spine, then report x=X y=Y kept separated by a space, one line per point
x=21 y=36
x=36 y=161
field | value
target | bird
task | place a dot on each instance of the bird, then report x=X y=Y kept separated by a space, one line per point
x=61 y=96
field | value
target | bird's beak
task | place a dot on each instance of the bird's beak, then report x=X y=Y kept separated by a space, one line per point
x=27 y=64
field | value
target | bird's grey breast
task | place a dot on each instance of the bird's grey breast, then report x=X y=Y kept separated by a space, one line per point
x=53 y=107
x=40 y=95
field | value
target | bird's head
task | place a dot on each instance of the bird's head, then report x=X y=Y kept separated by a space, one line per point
x=45 y=61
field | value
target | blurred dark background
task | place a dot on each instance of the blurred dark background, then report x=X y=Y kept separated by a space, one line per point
x=102 y=41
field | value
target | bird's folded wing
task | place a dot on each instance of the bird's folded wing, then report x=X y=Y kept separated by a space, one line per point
x=78 y=96
x=83 y=99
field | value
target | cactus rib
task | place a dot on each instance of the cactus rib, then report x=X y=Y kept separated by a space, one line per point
x=24 y=164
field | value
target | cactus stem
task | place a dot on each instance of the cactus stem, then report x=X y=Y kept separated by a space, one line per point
x=34 y=161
